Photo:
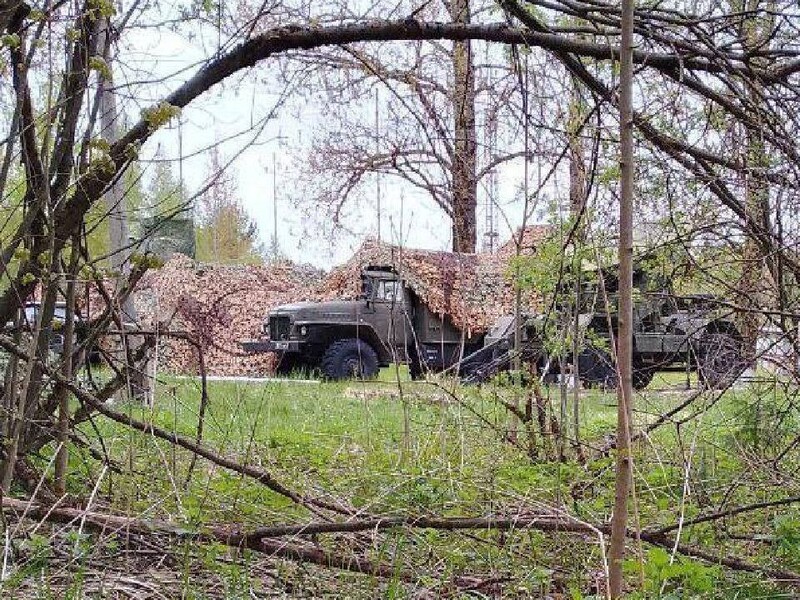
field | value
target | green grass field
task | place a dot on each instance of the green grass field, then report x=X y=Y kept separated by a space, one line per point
x=432 y=448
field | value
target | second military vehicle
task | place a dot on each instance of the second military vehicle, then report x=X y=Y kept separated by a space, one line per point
x=670 y=332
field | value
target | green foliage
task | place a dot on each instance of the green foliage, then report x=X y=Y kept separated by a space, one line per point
x=609 y=175
x=787 y=538
x=229 y=237
x=98 y=63
x=226 y=234
x=680 y=578
x=148 y=261
x=10 y=40
x=553 y=274
x=764 y=419
x=347 y=440
x=160 y=114
x=101 y=8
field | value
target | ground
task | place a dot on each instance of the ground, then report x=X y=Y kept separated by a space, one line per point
x=422 y=448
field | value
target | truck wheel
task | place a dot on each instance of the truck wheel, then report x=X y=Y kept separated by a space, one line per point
x=721 y=360
x=642 y=376
x=596 y=369
x=350 y=358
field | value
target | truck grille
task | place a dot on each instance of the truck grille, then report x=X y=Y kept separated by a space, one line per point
x=279 y=328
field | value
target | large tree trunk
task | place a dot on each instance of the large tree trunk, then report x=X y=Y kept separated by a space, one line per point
x=756 y=33
x=119 y=232
x=465 y=149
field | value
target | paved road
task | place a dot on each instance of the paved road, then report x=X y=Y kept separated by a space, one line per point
x=242 y=379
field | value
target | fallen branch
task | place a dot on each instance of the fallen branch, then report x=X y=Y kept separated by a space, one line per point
x=552 y=523
x=256 y=539
x=727 y=513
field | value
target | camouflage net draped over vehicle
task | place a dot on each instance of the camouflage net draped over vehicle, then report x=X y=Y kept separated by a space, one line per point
x=218 y=306
x=473 y=290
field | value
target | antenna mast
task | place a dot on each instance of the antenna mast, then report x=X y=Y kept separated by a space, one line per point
x=490 y=144
x=274 y=206
x=377 y=170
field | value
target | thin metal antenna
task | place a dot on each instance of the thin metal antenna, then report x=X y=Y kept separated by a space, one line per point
x=377 y=171
x=490 y=144
x=274 y=206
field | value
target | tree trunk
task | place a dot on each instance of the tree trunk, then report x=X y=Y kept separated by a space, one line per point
x=465 y=149
x=756 y=30
x=119 y=232
x=577 y=200
x=624 y=466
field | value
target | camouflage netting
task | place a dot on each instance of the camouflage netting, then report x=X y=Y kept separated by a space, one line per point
x=219 y=306
x=473 y=290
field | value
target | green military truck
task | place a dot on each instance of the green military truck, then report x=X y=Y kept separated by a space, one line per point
x=670 y=332
x=387 y=323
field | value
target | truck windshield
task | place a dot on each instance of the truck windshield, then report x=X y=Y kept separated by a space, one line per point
x=388 y=291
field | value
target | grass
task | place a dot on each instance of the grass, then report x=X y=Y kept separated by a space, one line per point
x=423 y=448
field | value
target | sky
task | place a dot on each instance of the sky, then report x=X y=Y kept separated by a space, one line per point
x=267 y=148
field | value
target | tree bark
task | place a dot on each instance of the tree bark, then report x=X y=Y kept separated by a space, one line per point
x=756 y=31
x=119 y=231
x=465 y=149
x=624 y=466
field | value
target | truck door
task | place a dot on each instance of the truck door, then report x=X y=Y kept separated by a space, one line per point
x=391 y=306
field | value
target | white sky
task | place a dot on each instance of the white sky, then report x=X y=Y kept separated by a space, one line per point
x=231 y=110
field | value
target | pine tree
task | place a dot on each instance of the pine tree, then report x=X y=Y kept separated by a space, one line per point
x=226 y=234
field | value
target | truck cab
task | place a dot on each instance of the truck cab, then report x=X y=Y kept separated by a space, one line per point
x=386 y=323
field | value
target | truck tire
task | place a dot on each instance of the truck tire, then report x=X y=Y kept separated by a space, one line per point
x=721 y=360
x=349 y=358
x=642 y=376
x=596 y=369
x=602 y=373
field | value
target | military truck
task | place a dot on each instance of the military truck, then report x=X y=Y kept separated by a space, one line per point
x=670 y=332
x=387 y=323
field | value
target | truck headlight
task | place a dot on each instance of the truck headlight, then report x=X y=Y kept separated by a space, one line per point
x=303 y=330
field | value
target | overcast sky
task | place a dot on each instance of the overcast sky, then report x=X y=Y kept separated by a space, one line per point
x=235 y=116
